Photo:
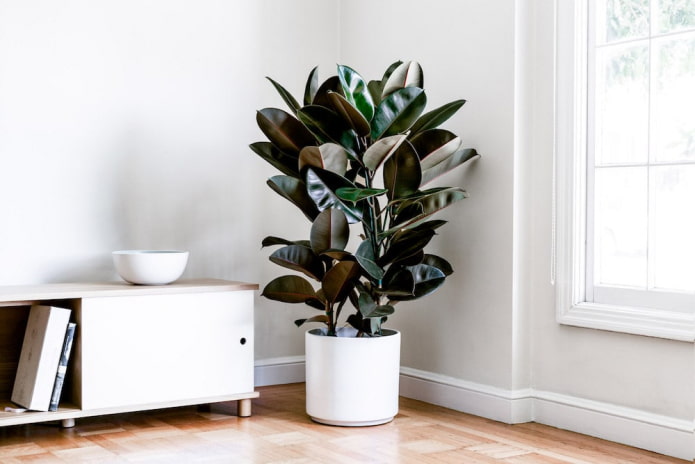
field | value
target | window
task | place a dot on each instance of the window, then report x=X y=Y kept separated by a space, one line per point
x=626 y=159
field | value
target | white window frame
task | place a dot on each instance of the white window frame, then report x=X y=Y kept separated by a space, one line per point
x=570 y=164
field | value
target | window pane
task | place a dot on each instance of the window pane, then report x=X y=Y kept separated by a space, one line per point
x=673 y=225
x=621 y=19
x=673 y=99
x=675 y=15
x=621 y=107
x=620 y=227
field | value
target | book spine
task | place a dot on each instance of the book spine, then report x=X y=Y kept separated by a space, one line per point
x=62 y=367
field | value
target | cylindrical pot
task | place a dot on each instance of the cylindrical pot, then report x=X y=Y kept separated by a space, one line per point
x=352 y=381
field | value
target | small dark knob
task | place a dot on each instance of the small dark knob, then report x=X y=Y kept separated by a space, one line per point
x=243 y=340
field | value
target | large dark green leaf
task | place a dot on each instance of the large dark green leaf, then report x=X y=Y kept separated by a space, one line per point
x=430 y=203
x=289 y=289
x=283 y=162
x=330 y=231
x=408 y=74
x=299 y=258
x=320 y=318
x=380 y=150
x=356 y=194
x=340 y=280
x=437 y=116
x=295 y=190
x=286 y=96
x=431 y=142
x=354 y=119
x=312 y=84
x=397 y=284
x=402 y=173
x=397 y=112
x=284 y=130
x=453 y=161
x=272 y=241
x=332 y=84
x=322 y=186
x=328 y=126
x=329 y=156
x=356 y=91
x=365 y=256
x=406 y=243
x=426 y=278
x=438 y=262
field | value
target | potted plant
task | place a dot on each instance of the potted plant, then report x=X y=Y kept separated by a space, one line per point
x=358 y=154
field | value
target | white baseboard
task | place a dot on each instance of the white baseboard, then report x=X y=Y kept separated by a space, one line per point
x=661 y=434
x=634 y=427
x=278 y=371
x=511 y=407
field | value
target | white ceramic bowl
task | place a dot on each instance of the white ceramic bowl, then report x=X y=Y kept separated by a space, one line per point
x=150 y=267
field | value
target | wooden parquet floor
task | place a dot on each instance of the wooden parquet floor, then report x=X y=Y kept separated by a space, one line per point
x=280 y=432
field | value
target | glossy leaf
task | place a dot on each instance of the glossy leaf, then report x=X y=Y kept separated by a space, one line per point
x=438 y=262
x=340 y=280
x=406 y=243
x=408 y=74
x=380 y=150
x=289 y=289
x=311 y=87
x=356 y=194
x=433 y=119
x=329 y=156
x=431 y=204
x=319 y=318
x=354 y=119
x=328 y=126
x=453 y=161
x=322 y=186
x=301 y=259
x=330 y=231
x=398 y=284
x=284 y=130
x=365 y=256
x=435 y=144
x=426 y=278
x=375 y=88
x=402 y=173
x=338 y=255
x=332 y=84
x=283 y=162
x=295 y=190
x=356 y=91
x=271 y=241
x=286 y=96
x=397 y=112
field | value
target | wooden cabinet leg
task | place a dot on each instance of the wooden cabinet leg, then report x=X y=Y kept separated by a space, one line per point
x=244 y=407
x=67 y=423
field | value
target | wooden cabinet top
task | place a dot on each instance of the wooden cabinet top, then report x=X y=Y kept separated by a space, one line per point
x=59 y=291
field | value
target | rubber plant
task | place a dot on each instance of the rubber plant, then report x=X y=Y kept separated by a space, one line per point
x=358 y=154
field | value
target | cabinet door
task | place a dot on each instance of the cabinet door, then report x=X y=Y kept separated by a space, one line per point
x=139 y=350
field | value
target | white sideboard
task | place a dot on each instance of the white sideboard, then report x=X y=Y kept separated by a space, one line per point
x=139 y=347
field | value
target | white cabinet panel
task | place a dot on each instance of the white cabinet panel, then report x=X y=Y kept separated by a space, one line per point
x=139 y=350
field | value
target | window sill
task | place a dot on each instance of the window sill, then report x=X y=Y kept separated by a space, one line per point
x=637 y=321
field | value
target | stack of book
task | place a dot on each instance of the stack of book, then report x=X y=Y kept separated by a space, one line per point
x=44 y=358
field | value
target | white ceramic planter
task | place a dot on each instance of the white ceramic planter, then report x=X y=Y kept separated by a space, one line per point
x=352 y=381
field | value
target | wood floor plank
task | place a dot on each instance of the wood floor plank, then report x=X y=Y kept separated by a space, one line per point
x=280 y=432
